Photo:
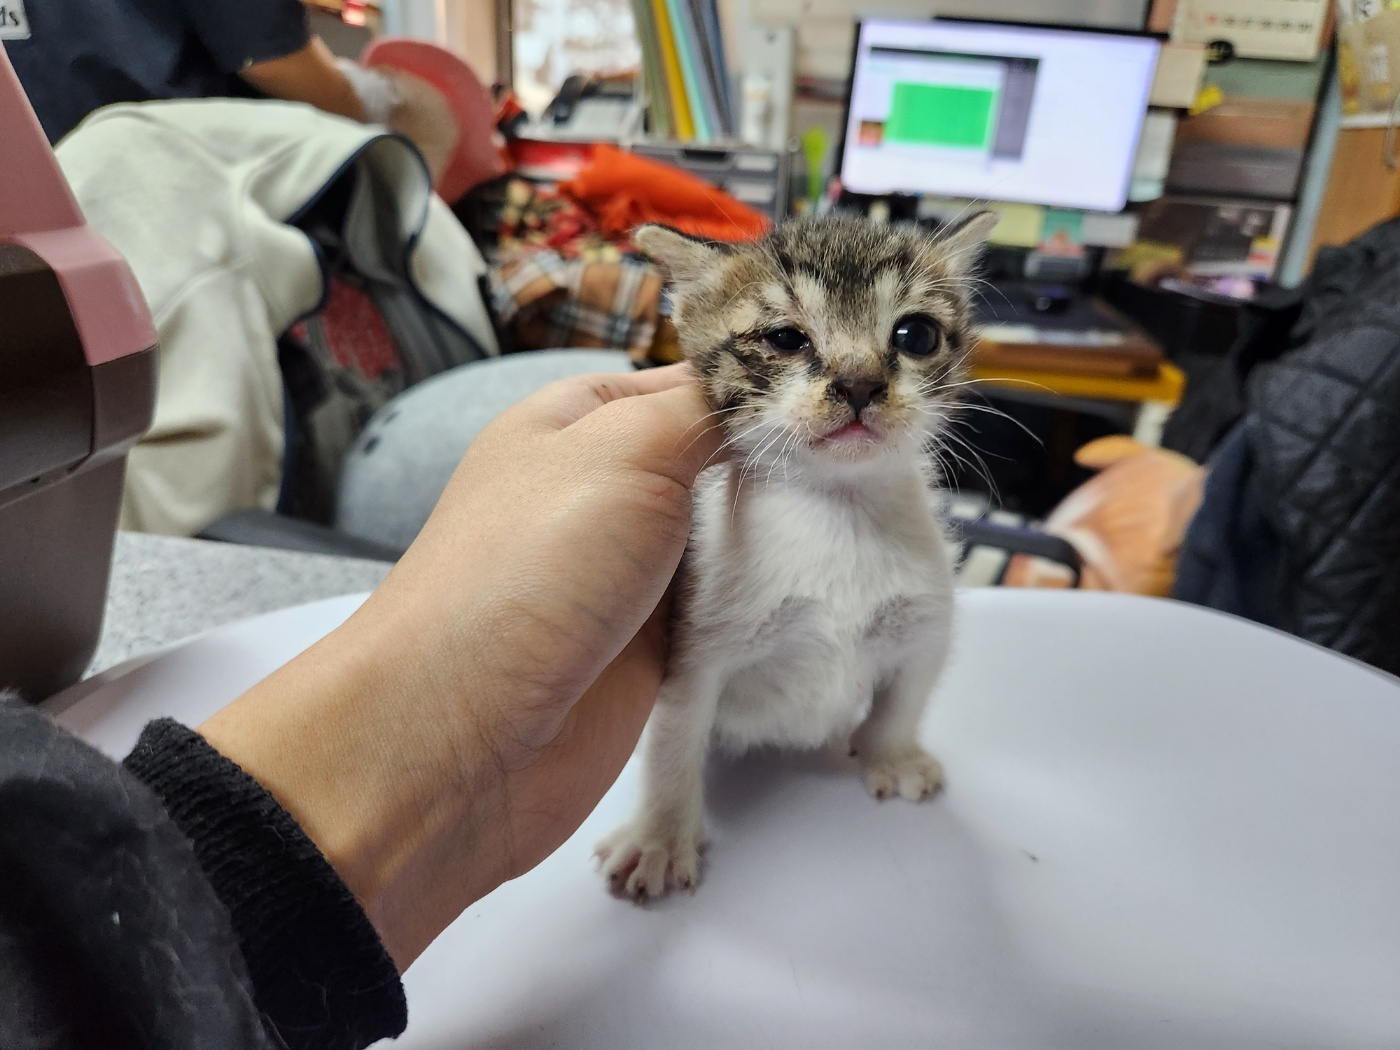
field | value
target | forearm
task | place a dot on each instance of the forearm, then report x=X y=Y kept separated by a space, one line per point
x=403 y=103
x=417 y=789
x=309 y=75
x=362 y=753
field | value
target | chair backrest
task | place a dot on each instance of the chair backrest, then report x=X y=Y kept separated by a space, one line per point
x=77 y=388
x=478 y=156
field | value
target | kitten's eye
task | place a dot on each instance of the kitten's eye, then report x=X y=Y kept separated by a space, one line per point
x=915 y=335
x=788 y=340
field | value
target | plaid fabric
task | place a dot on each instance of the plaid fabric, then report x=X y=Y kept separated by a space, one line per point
x=544 y=300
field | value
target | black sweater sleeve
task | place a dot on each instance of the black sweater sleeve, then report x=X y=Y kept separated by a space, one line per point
x=320 y=974
x=110 y=936
x=189 y=913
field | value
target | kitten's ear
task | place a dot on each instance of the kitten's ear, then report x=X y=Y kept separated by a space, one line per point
x=962 y=241
x=685 y=258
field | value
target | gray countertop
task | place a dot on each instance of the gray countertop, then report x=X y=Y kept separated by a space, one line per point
x=166 y=589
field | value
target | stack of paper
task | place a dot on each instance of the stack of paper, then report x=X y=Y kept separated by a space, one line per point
x=684 y=68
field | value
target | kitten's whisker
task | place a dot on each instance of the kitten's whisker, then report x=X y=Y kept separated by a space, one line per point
x=1040 y=387
x=937 y=450
x=945 y=475
x=946 y=478
x=697 y=437
x=754 y=458
x=703 y=419
x=724 y=446
x=788 y=458
x=782 y=457
x=985 y=472
x=754 y=427
x=991 y=411
x=984 y=452
x=769 y=444
x=775 y=433
x=977 y=286
x=734 y=441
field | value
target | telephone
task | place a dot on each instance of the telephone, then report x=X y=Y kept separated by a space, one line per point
x=595 y=108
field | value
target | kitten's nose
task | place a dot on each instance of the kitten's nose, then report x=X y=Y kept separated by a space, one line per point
x=857 y=392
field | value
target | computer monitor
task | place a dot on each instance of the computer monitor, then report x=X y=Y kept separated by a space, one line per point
x=996 y=111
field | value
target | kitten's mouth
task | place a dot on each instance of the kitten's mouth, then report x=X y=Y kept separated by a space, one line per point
x=854 y=432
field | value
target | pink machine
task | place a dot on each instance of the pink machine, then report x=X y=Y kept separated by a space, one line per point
x=77 y=388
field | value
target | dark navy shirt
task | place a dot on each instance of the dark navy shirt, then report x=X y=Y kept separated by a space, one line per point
x=84 y=54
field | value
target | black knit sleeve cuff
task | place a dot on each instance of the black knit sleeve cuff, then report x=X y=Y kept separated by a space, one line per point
x=320 y=974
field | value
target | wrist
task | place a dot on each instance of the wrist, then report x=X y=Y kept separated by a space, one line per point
x=378 y=95
x=371 y=763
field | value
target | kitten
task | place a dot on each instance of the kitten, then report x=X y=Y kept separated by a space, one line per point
x=816 y=594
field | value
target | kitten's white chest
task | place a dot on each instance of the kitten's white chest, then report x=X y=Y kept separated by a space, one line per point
x=811 y=599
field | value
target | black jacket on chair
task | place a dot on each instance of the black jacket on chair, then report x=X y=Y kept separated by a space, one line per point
x=1300 y=524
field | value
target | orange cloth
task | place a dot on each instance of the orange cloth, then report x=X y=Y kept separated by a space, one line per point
x=624 y=191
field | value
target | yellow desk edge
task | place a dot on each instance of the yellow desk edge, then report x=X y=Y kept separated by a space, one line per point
x=1166 y=387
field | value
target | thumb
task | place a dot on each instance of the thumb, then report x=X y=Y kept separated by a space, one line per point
x=672 y=433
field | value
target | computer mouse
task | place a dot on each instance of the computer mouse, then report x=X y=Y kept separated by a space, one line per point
x=1051 y=300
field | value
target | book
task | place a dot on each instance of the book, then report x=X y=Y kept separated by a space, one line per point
x=685 y=69
x=705 y=61
x=675 y=86
x=709 y=11
x=653 y=72
x=687 y=55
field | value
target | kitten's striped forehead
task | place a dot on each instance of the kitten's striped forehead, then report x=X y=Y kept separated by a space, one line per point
x=856 y=267
x=843 y=275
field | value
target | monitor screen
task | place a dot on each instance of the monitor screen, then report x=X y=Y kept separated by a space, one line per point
x=996 y=111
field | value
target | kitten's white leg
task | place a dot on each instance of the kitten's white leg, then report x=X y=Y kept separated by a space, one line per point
x=887 y=742
x=660 y=847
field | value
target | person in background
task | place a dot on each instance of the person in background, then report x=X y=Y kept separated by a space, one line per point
x=80 y=55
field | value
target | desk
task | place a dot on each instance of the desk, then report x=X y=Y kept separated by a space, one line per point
x=164 y=589
x=1130 y=370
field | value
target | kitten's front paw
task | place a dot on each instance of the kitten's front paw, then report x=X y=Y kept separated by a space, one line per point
x=916 y=775
x=642 y=864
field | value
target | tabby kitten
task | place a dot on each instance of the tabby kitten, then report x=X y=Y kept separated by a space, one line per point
x=817 y=596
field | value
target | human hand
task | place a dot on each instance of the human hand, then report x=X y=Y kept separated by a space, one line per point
x=421 y=115
x=408 y=105
x=464 y=722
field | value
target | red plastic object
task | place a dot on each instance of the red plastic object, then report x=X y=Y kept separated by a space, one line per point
x=77 y=389
x=38 y=211
x=478 y=157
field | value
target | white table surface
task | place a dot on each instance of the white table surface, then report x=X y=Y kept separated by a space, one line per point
x=1163 y=828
